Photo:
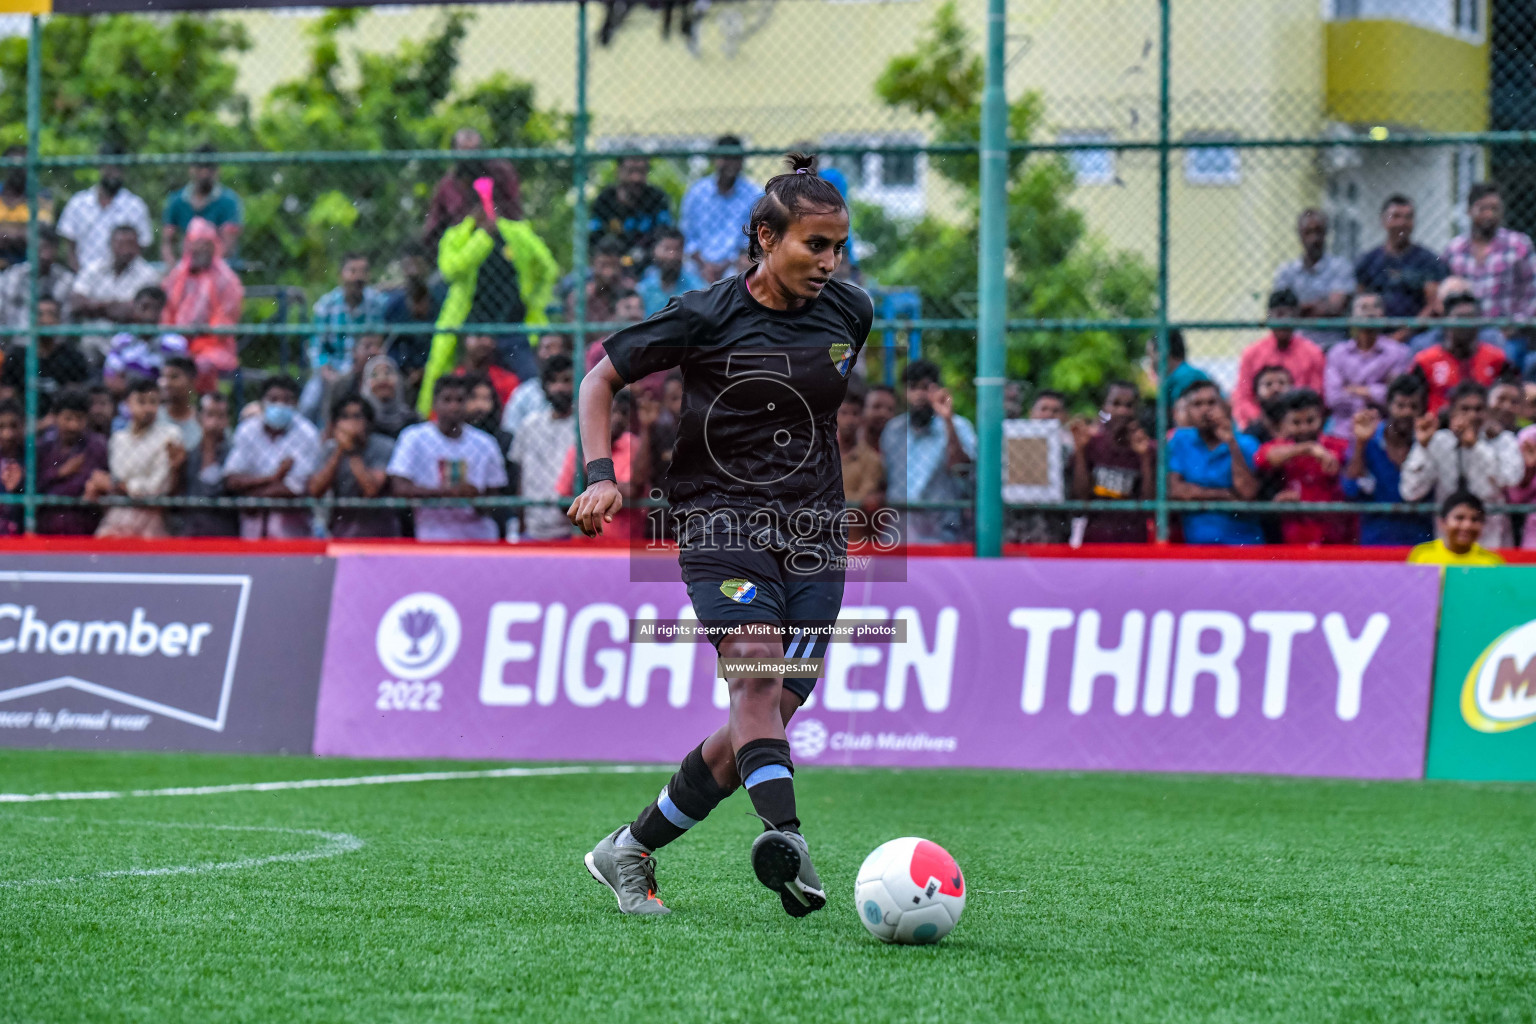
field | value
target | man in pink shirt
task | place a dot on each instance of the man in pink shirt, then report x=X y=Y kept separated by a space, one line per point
x=1282 y=346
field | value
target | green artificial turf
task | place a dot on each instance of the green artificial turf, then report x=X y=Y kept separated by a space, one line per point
x=1091 y=898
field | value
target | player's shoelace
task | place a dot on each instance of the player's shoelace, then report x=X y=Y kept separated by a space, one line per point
x=646 y=867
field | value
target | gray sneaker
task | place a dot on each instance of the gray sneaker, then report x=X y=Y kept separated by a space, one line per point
x=782 y=862
x=629 y=872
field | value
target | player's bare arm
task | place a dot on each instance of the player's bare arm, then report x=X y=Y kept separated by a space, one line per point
x=601 y=500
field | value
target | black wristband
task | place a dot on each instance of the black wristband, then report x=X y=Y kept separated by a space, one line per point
x=600 y=469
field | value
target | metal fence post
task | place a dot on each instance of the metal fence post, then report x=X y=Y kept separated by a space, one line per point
x=34 y=118
x=993 y=300
x=1163 y=75
x=579 y=230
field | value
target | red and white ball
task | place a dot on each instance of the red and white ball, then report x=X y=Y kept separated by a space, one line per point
x=910 y=891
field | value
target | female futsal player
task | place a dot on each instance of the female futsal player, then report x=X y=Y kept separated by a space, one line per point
x=756 y=493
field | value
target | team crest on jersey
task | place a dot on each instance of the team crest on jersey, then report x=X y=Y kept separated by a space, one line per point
x=740 y=591
x=842 y=356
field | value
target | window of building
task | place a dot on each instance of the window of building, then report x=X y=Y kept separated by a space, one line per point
x=1091 y=166
x=892 y=180
x=1463 y=17
x=1212 y=165
x=1467 y=16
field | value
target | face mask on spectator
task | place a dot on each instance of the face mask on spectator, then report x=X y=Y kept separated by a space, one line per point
x=276 y=415
x=560 y=402
x=921 y=416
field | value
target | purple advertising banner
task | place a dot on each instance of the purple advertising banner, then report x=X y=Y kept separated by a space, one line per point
x=161 y=652
x=1288 y=667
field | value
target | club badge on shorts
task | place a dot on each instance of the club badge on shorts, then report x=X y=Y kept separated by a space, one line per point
x=842 y=356
x=740 y=591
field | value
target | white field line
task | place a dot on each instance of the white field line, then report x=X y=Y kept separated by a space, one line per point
x=356 y=780
x=335 y=844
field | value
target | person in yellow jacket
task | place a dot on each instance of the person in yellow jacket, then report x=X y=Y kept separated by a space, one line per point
x=1461 y=524
x=487 y=283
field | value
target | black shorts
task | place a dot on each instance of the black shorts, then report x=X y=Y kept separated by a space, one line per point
x=741 y=587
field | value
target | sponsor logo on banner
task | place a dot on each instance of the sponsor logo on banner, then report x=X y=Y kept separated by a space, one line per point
x=807 y=739
x=418 y=636
x=1500 y=692
x=163 y=643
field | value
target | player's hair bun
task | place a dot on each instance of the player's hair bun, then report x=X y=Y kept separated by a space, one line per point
x=801 y=162
x=786 y=197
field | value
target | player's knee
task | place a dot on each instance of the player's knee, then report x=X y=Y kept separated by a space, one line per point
x=742 y=648
x=756 y=690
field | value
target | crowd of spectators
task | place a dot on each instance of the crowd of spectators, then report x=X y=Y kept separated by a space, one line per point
x=424 y=410
x=1413 y=413
x=142 y=408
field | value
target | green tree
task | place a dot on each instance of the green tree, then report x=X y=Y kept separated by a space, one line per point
x=161 y=86
x=168 y=86
x=307 y=214
x=1056 y=268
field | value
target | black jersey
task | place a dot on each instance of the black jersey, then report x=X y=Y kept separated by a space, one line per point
x=761 y=389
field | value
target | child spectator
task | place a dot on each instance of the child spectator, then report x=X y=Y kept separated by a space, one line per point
x=1116 y=462
x=1462 y=516
x=1310 y=465
x=12 y=472
x=66 y=461
x=354 y=464
x=447 y=458
x=1374 y=470
x=145 y=459
x=1208 y=462
x=1463 y=458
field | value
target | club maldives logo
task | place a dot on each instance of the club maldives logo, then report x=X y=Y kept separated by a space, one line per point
x=807 y=739
x=418 y=636
x=1500 y=691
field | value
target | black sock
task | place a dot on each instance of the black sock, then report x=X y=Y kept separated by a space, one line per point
x=768 y=773
x=683 y=802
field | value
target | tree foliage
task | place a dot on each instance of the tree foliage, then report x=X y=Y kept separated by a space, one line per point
x=1056 y=268
x=169 y=85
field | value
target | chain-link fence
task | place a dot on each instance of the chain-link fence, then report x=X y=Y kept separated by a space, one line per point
x=297 y=221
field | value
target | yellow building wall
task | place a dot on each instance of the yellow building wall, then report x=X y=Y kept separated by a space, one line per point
x=1393 y=73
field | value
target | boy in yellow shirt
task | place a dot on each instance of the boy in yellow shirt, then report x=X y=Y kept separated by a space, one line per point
x=1461 y=524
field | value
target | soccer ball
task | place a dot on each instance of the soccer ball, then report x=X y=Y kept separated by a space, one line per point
x=909 y=891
